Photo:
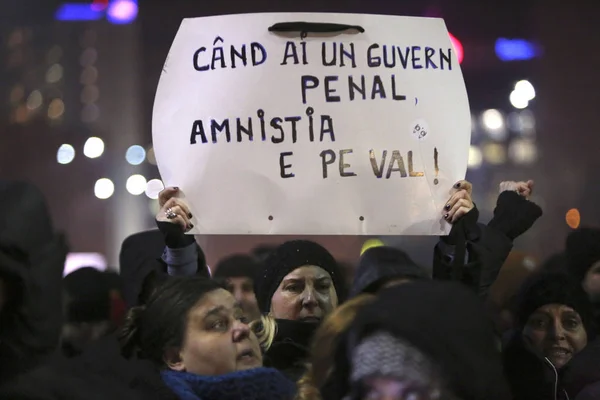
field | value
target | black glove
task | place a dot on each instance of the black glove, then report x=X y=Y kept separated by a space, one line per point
x=174 y=236
x=514 y=214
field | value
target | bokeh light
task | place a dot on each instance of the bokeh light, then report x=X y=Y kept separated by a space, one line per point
x=525 y=89
x=493 y=122
x=151 y=156
x=65 y=154
x=153 y=188
x=56 y=109
x=475 y=157
x=93 y=147
x=518 y=100
x=136 y=184
x=34 y=100
x=122 y=11
x=135 y=155
x=89 y=94
x=573 y=218
x=90 y=113
x=522 y=151
x=88 y=57
x=104 y=188
x=54 y=73
x=89 y=75
x=494 y=153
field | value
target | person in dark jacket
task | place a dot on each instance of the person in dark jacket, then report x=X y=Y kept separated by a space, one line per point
x=555 y=324
x=473 y=253
x=94 y=308
x=583 y=262
x=299 y=285
x=32 y=257
x=383 y=266
x=146 y=257
x=422 y=339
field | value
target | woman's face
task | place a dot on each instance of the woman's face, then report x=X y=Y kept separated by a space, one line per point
x=305 y=294
x=557 y=332
x=217 y=340
x=591 y=282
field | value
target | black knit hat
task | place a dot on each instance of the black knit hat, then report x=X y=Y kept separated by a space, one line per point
x=89 y=294
x=237 y=265
x=379 y=264
x=582 y=250
x=553 y=287
x=286 y=258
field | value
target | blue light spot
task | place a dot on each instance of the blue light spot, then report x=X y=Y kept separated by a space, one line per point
x=135 y=155
x=516 y=49
x=77 y=12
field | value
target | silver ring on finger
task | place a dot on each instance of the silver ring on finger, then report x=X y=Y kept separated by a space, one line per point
x=170 y=214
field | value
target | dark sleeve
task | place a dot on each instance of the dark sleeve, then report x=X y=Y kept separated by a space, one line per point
x=453 y=257
x=485 y=247
x=514 y=215
x=182 y=254
x=139 y=258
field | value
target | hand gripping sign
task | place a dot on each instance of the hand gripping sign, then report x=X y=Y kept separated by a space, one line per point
x=310 y=123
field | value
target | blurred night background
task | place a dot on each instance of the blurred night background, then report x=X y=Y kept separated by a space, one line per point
x=78 y=81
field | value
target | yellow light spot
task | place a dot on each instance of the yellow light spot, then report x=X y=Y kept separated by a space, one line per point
x=370 y=244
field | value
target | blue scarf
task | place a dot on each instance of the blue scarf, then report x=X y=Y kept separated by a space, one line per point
x=253 y=384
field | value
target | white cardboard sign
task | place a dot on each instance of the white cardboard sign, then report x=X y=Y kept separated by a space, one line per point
x=325 y=133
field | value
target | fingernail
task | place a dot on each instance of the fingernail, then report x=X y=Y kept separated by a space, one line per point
x=191 y=226
x=457 y=185
x=447 y=207
x=446 y=216
x=175 y=188
x=190 y=215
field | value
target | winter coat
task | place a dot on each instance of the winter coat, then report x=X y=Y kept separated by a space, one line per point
x=533 y=377
x=473 y=253
x=32 y=258
x=99 y=373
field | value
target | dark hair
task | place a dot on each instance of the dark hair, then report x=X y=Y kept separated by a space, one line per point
x=151 y=329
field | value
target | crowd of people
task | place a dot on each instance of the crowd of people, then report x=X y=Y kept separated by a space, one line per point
x=283 y=323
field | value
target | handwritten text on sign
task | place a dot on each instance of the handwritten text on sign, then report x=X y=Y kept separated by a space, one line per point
x=327 y=107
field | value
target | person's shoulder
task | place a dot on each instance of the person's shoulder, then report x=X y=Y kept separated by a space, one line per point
x=100 y=372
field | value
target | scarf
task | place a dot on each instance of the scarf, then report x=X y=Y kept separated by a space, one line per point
x=253 y=384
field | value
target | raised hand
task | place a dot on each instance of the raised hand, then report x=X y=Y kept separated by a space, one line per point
x=173 y=209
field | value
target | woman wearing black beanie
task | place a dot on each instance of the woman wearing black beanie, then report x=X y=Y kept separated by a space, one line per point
x=555 y=328
x=298 y=286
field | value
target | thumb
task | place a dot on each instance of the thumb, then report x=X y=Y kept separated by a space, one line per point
x=166 y=194
x=530 y=183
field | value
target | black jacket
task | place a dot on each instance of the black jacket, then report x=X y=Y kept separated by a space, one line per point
x=532 y=377
x=32 y=260
x=290 y=349
x=141 y=264
x=100 y=373
x=474 y=253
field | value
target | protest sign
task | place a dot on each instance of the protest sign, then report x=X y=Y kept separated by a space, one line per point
x=363 y=130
